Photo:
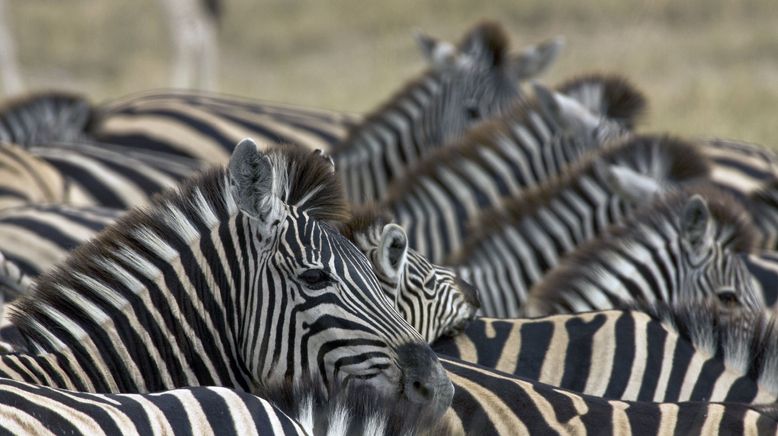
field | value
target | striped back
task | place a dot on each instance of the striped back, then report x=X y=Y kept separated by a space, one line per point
x=235 y=280
x=653 y=353
x=511 y=247
x=680 y=248
x=439 y=198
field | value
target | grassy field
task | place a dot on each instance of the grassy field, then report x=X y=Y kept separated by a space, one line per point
x=709 y=67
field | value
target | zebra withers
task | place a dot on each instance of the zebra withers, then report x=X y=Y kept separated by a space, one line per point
x=512 y=247
x=450 y=188
x=681 y=247
x=236 y=280
x=656 y=352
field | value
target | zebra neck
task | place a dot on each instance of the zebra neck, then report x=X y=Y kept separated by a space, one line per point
x=146 y=307
x=387 y=142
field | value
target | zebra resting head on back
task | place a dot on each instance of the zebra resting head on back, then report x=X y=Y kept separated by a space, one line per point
x=432 y=298
x=682 y=247
x=238 y=279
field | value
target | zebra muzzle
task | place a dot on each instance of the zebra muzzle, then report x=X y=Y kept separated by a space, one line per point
x=425 y=382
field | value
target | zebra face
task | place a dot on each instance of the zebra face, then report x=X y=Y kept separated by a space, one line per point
x=429 y=297
x=310 y=303
x=478 y=78
x=711 y=271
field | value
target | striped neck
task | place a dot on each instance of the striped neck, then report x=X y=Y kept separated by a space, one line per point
x=148 y=305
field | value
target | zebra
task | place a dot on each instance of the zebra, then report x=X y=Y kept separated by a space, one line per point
x=512 y=247
x=656 y=352
x=429 y=297
x=465 y=84
x=433 y=299
x=177 y=294
x=681 y=247
x=492 y=402
x=450 y=188
x=300 y=409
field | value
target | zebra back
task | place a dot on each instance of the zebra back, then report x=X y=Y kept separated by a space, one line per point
x=656 y=352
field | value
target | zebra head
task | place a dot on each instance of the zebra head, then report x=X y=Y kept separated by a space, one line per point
x=478 y=78
x=310 y=304
x=432 y=298
x=709 y=266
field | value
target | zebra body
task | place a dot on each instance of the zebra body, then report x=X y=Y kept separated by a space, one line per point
x=763 y=266
x=680 y=248
x=447 y=191
x=187 y=293
x=663 y=354
x=515 y=245
x=495 y=403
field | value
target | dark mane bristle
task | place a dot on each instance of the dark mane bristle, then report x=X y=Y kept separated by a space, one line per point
x=682 y=161
x=45 y=116
x=619 y=99
x=726 y=212
x=363 y=219
x=487 y=38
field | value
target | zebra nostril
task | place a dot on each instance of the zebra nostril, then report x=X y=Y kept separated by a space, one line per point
x=419 y=392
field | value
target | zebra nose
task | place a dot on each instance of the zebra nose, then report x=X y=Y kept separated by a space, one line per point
x=469 y=292
x=425 y=380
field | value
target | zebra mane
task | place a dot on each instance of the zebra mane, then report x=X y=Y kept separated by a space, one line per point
x=609 y=95
x=745 y=341
x=350 y=410
x=732 y=223
x=307 y=182
x=487 y=38
x=44 y=117
x=675 y=160
x=365 y=219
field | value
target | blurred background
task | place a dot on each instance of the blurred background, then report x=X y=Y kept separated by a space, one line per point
x=709 y=67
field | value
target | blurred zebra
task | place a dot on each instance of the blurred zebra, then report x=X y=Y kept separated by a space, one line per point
x=512 y=247
x=763 y=266
x=658 y=352
x=680 y=248
x=437 y=200
x=224 y=283
x=466 y=83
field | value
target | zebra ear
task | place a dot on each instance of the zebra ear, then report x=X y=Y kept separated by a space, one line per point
x=392 y=252
x=251 y=182
x=696 y=226
x=438 y=53
x=631 y=185
x=568 y=112
x=536 y=59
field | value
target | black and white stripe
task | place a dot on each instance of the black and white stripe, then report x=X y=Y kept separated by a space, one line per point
x=660 y=353
x=225 y=283
x=442 y=195
x=512 y=247
x=681 y=248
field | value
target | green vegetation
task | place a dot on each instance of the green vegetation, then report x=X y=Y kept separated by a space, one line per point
x=709 y=67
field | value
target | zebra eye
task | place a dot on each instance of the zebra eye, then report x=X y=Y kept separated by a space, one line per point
x=473 y=113
x=728 y=298
x=315 y=278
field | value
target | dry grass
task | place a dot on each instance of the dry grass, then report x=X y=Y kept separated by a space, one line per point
x=710 y=67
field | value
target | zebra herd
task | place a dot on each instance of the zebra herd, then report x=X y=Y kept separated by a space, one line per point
x=470 y=258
